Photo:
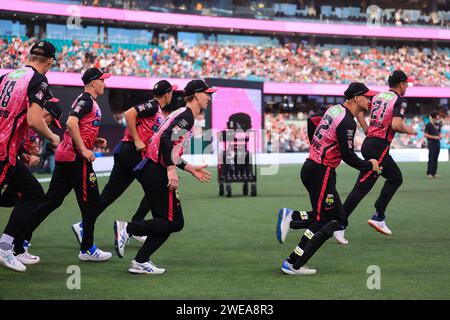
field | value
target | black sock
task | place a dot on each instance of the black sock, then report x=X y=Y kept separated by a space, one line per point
x=301 y=245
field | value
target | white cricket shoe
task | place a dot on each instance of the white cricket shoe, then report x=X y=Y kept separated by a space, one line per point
x=339 y=236
x=121 y=237
x=140 y=239
x=288 y=268
x=10 y=261
x=145 y=268
x=94 y=254
x=28 y=258
x=380 y=226
x=283 y=224
x=78 y=231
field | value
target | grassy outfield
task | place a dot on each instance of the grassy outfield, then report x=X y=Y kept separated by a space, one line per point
x=228 y=248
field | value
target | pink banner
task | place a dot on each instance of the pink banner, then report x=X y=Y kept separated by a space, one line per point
x=175 y=19
x=141 y=83
x=338 y=89
x=116 y=82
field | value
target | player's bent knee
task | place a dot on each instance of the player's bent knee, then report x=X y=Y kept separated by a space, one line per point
x=177 y=227
x=330 y=227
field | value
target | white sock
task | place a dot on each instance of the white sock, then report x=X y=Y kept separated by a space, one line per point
x=6 y=242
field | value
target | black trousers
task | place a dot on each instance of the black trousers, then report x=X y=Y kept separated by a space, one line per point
x=80 y=176
x=327 y=213
x=320 y=181
x=126 y=157
x=20 y=190
x=434 y=148
x=375 y=148
x=165 y=206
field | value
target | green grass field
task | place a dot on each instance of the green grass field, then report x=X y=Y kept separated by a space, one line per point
x=228 y=248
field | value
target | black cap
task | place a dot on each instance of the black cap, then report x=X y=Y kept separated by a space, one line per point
x=43 y=48
x=162 y=87
x=54 y=109
x=94 y=74
x=358 y=89
x=195 y=86
x=397 y=77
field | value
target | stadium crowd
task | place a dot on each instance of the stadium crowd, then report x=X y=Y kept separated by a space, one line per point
x=287 y=132
x=292 y=62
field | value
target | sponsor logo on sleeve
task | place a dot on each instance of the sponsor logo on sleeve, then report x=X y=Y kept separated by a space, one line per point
x=39 y=95
x=403 y=108
x=350 y=134
x=183 y=123
x=141 y=107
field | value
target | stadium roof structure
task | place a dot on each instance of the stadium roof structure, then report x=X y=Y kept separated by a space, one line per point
x=220 y=23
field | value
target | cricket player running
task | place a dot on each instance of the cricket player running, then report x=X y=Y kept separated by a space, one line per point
x=142 y=122
x=158 y=177
x=332 y=142
x=23 y=94
x=73 y=169
x=386 y=118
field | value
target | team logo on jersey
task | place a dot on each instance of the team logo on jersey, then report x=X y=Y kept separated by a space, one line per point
x=98 y=113
x=329 y=199
x=92 y=179
x=159 y=120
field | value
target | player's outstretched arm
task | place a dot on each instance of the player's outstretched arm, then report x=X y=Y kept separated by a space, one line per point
x=199 y=172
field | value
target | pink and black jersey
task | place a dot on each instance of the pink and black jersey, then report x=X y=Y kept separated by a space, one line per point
x=168 y=144
x=333 y=140
x=313 y=122
x=18 y=90
x=149 y=119
x=86 y=109
x=385 y=106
